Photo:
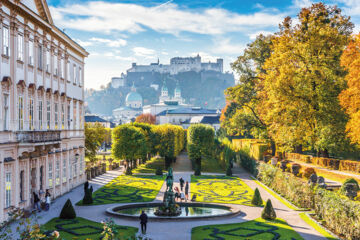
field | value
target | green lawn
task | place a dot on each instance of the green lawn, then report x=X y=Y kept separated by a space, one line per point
x=124 y=189
x=256 y=229
x=81 y=229
x=151 y=165
x=221 y=189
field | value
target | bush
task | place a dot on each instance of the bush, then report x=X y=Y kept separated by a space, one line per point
x=257 y=200
x=349 y=180
x=87 y=194
x=128 y=171
x=308 y=172
x=268 y=212
x=228 y=171
x=159 y=171
x=247 y=162
x=68 y=211
x=348 y=165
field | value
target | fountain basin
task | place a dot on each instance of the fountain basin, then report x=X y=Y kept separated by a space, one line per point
x=189 y=211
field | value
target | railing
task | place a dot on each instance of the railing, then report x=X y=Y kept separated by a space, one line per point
x=38 y=136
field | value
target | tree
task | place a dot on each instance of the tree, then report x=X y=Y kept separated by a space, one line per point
x=303 y=78
x=129 y=143
x=200 y=139
x=349 y=97
x=94 y=137
x=268 y=212
x=146 y=118
x=67 y=211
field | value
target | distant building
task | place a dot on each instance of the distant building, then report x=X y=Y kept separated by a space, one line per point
x=180 y=64
x=213 y=121
x=117 y=82
x=184 y=115
x=133 y=107
x=92 y=119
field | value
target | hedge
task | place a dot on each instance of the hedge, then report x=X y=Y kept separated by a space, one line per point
x=256 y=147
x=339 y=213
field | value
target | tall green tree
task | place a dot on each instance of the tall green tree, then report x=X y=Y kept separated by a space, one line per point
x=303 y=78
x=94 y=136
x=129 y=143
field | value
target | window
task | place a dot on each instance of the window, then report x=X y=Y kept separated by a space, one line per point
x=62 y=116
x=75 y=76
x=31 y=113
x=56 y=106
x=7 y=189
x=64 y=170
x=81 y=117
x=20 y=49
x=75 y=166
x=48 y=58
x=40 y=57
x=31 y=52
x=6 y=49
x=68 y=116
x=81 y=165
x=48 y=114
x=70 y=169
x=74 y=117
x=22 y=186
x=40 y=114
x=56 y=65
x=62 y=70
x=21 y=112
x=80 y=76
x=6 y=111
x=68 y=71
x=50 y=174
x=57 y=172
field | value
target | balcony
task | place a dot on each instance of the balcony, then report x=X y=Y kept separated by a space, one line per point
x=38 y=136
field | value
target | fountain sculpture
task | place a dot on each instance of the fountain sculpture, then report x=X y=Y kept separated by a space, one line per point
x=169 y=206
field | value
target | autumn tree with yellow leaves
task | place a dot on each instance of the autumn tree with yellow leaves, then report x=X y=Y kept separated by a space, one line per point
x=350 y=97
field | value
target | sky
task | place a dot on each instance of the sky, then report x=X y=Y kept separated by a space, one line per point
x=117 y=33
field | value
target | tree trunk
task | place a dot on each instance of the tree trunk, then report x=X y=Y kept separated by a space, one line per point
x=298 y=149
x=273 y=147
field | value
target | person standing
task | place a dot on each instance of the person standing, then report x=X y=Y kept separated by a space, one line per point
x=143 y=222
x=187 y=191
x=181 y=184
x=47 y=200
x=36 y=202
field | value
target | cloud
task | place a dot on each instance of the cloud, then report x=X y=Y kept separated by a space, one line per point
x=302 y=3
x=205 y=57
x=109 y=42
x=224 y=46
x=143 y=52
x=84 y=43
x=105 y=17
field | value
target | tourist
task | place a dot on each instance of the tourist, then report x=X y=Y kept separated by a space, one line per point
x=47 y=200
x=181 y=183
x=187 y=191
x=177 y=193
x=182 y=196
x=36 y=202
x=143 y=222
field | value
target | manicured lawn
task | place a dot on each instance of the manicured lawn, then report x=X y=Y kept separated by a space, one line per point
x=255 y=229
x=221 y=189
x=124 y=189
x=81 y=229
x=151 y=165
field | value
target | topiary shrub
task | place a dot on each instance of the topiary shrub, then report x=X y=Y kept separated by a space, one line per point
x=128 y=171
x=197 y=171
x=159 y=171
x=228 y=171
x=257 y=200
x=349 y=180
x=268 y=212
x=68 y=211
x=87 y=194
x=308 y=172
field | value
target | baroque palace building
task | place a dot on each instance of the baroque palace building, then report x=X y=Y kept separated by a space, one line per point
x=41 y=106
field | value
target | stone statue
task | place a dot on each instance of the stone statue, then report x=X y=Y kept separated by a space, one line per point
x=169 y=180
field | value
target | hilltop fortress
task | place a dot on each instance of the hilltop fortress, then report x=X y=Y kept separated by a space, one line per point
x=180 y=64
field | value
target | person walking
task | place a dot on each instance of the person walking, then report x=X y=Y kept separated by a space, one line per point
x=47 y=200
x=143 y=222
x=36 y=202
x=181 y=180
x=187 y=191
x=182 y=196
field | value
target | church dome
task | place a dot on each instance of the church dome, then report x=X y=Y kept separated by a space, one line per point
x=133 y=97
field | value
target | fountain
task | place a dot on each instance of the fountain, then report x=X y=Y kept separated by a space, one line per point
x=169 y=207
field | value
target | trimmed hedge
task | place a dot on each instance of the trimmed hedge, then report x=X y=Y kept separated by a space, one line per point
x=339 y=213
x=255 y=147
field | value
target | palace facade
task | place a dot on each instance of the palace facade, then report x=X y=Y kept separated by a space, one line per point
x=41 y=106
